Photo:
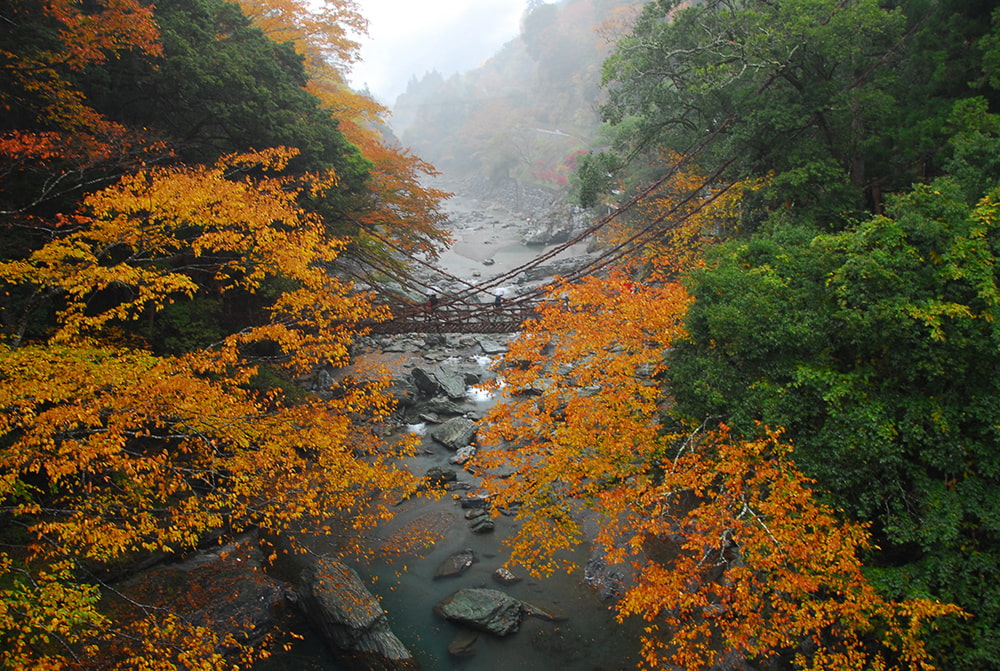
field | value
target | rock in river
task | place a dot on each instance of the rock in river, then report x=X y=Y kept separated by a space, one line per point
x=505 y=576
x=351 y=620
x=438 y=477
x=452 y=383
x=224 y=588
x=464 y=644
x=462 y=455
x=440 y=405
x=489 y=610
x=480 y=521
x=456 y=564
x=491 y=347
x=457 y=432
x=425 y=382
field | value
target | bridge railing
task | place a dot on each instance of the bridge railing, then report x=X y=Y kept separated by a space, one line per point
x=455 y=318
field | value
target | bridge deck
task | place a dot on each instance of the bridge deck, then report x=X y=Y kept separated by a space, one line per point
x=454 y=318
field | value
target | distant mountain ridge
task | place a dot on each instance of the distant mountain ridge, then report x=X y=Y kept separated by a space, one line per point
x=528 y=112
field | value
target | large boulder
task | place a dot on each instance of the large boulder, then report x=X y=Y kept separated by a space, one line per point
x=488 y=610
x=552 y=229
x=456 y=433
x=452 y=382
x=491 y=347
x=224 y=589
x=350 y=618
x=557 y=226
x=439 y=405
x=404 y=391
x=609 y=580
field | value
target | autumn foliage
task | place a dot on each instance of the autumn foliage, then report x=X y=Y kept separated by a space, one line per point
x=399 y=208
x=159 y=321
x=51 y=129
x=672 y=221
x=730 y=550
x=112 y=449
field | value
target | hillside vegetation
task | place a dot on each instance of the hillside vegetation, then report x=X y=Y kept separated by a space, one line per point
x=530 y=110
x=181 y=201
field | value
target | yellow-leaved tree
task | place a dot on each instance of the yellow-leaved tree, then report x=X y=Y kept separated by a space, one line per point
x=111 y=450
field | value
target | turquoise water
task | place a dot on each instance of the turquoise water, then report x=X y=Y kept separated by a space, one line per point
x=589 y=639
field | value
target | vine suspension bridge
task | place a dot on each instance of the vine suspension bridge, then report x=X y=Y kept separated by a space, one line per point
x=462 y=311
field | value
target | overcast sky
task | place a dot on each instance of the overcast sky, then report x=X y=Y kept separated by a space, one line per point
x=411 y=37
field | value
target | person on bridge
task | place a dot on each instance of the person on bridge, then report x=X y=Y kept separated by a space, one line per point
x=498 y=300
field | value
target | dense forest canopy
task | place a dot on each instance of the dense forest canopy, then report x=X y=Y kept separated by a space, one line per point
x=790 y=433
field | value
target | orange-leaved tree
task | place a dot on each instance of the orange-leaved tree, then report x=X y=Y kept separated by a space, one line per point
x=112 y=450
x=731 y=552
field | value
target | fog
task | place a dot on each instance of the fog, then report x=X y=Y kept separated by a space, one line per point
x=408 y=38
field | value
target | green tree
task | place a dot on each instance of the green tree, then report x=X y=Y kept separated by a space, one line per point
x=732 y=551
x=877 y=350
x=872 y=339
x=223 y=86
x=841 y=101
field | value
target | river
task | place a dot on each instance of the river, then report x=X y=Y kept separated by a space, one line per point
x=589 y=639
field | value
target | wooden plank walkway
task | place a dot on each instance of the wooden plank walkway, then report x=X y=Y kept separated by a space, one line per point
x=454 y=318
